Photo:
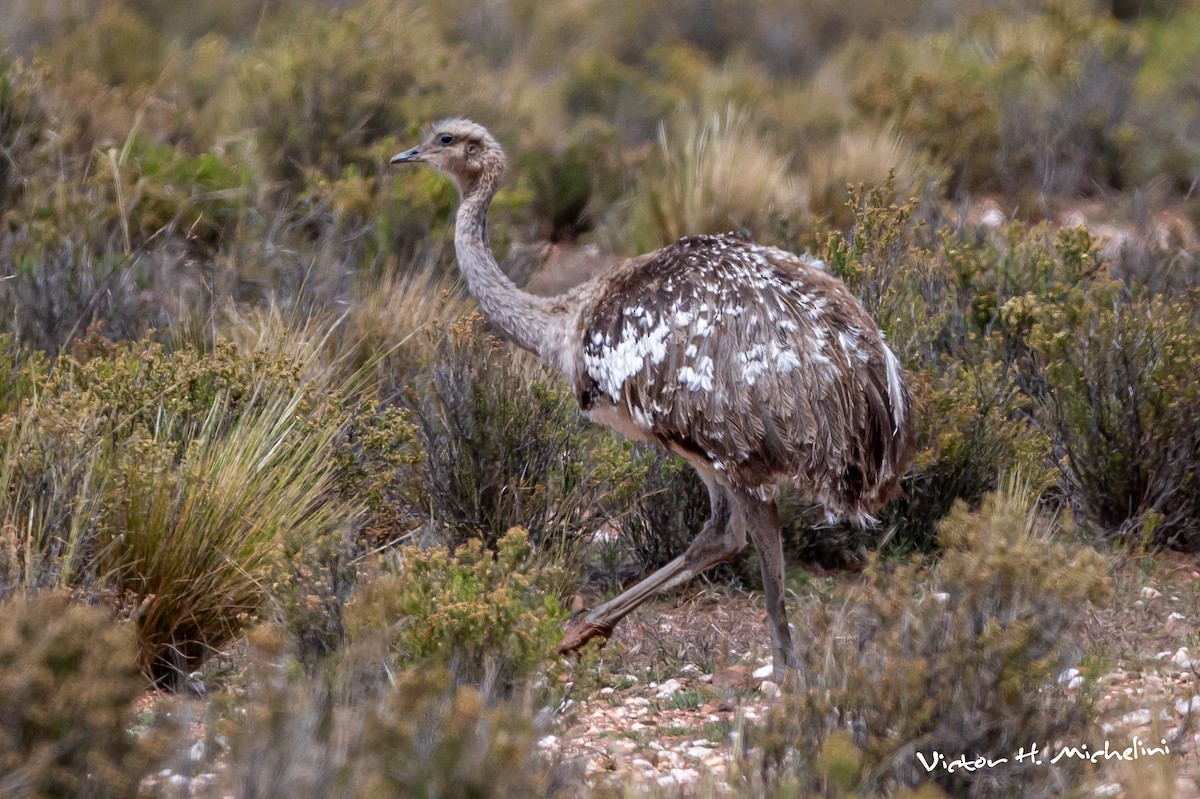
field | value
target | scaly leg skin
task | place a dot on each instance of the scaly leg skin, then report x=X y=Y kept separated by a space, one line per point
x=762 y=522
x=722 y=537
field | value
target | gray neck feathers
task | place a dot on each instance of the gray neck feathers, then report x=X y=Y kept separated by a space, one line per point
x=525 y=318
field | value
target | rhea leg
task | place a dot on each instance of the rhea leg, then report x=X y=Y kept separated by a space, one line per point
x=761 y=519
x=722 y=537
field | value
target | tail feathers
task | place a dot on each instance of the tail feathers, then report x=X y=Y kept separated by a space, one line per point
x=871 y=476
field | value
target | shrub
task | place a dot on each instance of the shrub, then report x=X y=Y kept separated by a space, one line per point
x=114 y=43
x=670 y=504
x=169 y=481
x=193 y=544
x=99 y=215
x=961 y=658
x=421 y=737
x=22 y=126
x=1038 y=106
x=1123 y=408
x=955 y=119
x=163 y=192
x=504 y=444
x=377 y=459
x=938 y=299
x=710 y=178
x=55 y=294
x=68 y=681
x=328 y=87
x=491 y=619
x=601 y=85
x=858 y=157
x=569 y=185
x=310 y=585
x=1165 y=92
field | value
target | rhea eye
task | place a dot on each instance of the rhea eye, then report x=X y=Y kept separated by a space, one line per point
x=472 y=148
x=446 y=139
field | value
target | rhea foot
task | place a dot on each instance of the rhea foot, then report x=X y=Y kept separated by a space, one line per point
x=582 y=628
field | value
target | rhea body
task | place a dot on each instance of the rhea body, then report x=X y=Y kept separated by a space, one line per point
x=752 y=363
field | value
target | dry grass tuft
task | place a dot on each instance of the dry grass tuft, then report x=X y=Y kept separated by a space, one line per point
x=711 y=177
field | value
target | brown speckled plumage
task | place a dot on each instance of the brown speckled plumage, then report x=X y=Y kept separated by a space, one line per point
x=752 y=363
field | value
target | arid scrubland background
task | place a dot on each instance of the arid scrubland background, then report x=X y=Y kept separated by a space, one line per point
x=254 y=441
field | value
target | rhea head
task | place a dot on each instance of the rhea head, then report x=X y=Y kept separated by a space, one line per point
x=462 y=151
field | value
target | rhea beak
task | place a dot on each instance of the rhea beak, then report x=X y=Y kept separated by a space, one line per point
x=410 y=156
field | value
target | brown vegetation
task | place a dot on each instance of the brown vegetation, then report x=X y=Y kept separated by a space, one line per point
x=240 y=388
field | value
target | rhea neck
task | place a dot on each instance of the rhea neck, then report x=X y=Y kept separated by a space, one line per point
x=525 y=318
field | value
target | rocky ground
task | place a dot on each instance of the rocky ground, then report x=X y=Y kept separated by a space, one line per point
x=683 y=728
x=683 y=679
x=671 y=733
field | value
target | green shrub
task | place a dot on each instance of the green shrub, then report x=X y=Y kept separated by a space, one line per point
x=421 y=737
x=22 y=126
x=377 y=459
x=1165 y=104
x=328 y=87
x=603 y=86
x=1037 y=105
x=490 y=618
x=948 y=306
x=99 y=217
x=309 y=587
x=68 y=681
x=570 y=185
x=162 y=192
x=169 y=481
x=1123 y=408
x=192 y=544
x=962 y=657
x=504 y=445
x=115 y=44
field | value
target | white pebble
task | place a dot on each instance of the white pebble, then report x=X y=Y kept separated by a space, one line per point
x=668 y=689
x=1137 y=718
x=1071 y=678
